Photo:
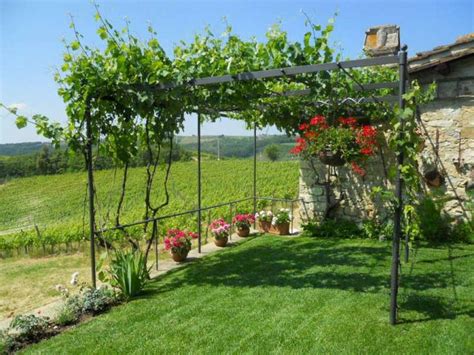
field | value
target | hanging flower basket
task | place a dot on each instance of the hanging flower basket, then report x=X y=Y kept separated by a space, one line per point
x=434 y=178
x=328 y=157
x=338 y=142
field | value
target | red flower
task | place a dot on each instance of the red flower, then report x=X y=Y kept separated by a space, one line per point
x=368 y=131
x=357 y=169
x=319 y=121
x=349 y=121
x=303 y=127
x=299 y=147
x=367 y=151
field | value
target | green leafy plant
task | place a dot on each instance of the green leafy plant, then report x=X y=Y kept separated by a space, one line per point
x=97 y=300
x=332 y=228
x=8 y=343
x=272 y=152
x=128 y=272
x=66 y=315
x=30 y=327
x=282 y=216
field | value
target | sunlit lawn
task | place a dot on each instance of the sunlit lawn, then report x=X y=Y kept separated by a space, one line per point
x=28 y=283
x=300 y=295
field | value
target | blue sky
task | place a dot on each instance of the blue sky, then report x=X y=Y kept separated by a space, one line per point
x=31 y=32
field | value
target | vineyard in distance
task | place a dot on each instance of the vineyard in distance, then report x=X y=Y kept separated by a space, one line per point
x=44 y=218
x=41 y=215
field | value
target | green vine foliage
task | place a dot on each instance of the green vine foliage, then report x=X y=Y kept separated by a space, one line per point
x=117 y=82
x=405 y=138
x=117 y=85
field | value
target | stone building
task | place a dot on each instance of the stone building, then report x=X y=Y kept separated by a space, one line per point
x=447 y=158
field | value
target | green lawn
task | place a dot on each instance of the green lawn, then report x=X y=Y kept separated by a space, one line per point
x=28 y=283
x=299 y=295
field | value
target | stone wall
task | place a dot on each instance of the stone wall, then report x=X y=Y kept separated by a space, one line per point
x=449 y=123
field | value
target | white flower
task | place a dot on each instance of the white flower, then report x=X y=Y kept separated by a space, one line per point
x=74 y=278
x=274 y=221
x=256 y=215
x=61 y=289
x=270 y=213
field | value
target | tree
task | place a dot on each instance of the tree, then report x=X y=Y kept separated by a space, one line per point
x=43 y=161
x=272 y=152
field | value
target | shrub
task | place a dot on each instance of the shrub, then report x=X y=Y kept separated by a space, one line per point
x=97 y=300
x=129 y=273
x=463 y=231
x=332 y=228
x=374 y=229
x=29 y=326
x=343 y=228
x=434 y=224
x=66 y=316
x=7 y=343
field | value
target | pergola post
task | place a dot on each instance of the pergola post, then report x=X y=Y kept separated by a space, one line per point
x=199 y=181
x=254 y=172
x=397 y=232
x=90 y=184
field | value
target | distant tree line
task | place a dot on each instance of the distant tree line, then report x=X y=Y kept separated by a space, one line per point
x=37 y=158
x=49 y=161
x=234 y=146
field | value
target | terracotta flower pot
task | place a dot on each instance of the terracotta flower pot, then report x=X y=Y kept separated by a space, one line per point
x=243 y=231
x=179 y=257
x=283 y=228
x=434 y=178
x=221 y=242
x=329 y=158
x=264 y=226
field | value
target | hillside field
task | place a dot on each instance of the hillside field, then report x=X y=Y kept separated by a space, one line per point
x=57 y=204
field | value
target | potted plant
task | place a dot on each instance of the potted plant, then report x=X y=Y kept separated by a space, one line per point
x=344 y=141
x=431 y=173
x=220 y=230
x=243 y=222
x=264 y=220
x=281 y=222
x=178 y=242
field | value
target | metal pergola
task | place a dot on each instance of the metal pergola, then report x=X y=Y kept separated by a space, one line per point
x=399 y=59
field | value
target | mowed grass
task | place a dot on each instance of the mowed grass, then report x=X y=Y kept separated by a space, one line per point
x=28 y=283
x=292 y=295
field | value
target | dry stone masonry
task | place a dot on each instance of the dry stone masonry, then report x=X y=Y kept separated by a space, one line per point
x=449 y=148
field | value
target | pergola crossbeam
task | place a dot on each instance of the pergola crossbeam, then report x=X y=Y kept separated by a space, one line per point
x=276 y=73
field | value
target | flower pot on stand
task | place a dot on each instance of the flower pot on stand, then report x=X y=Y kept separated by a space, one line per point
x=328 y=157
x=243 y=231
x=221 y=242
x=264 y=226
x=179 y=257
